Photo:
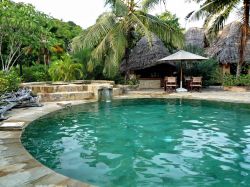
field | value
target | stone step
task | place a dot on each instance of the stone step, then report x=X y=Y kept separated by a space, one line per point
x=58 y=88
x=65 y=96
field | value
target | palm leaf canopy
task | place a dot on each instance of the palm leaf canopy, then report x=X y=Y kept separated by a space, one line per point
x=109 y=36
x=215 y=12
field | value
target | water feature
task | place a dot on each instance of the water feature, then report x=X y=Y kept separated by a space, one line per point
x=106 y=94
x=146 y=142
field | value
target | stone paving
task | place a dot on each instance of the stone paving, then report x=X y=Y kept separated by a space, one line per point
x=18 y=168
x=206 y=94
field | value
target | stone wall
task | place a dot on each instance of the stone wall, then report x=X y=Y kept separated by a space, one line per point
x=149 y=84
x=78 y=90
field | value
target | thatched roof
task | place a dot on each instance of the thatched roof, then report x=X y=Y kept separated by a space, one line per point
x=143 y=56
x=196 y=37
x=226 y=48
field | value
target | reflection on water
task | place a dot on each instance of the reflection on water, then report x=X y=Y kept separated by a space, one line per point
x=146 y=143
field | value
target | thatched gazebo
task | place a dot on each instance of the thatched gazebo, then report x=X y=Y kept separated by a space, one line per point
x=143 y=62
x=226 y=48
x=196 y=37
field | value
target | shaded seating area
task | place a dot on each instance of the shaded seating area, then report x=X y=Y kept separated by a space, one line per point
x=181 y=57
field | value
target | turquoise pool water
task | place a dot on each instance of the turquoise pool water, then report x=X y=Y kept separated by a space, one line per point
x=146 y=142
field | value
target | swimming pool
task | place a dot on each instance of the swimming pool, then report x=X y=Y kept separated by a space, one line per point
x=146 y=142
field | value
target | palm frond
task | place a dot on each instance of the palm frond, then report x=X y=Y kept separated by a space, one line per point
x=96 y=32
x=119 y=8
x=210 y=7
x=142 y=27
x=149 y=4
x=218 y=20
x=162 y=29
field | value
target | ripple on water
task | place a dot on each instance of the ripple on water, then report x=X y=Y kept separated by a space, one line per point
x=146 y=142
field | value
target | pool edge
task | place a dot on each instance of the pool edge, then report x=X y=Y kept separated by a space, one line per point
x=16 y=162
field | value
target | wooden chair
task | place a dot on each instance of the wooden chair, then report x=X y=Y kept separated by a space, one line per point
x=196 y=83
x=170 y=83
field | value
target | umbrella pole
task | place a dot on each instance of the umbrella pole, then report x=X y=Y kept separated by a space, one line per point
x=181 y=76
x=181 y=89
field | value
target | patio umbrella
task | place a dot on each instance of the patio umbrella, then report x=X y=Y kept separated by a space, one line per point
x=182 y=56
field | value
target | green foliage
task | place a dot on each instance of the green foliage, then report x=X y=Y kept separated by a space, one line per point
x=9 y=81
x=132 y=80
x=35 y=73
x=215 y=13
x=113 y=35
x=64 y=32
x=65 y=69
x=173 y=21
x=231 y=80
x=22 y=30
x=216 y=76
x=208 y=69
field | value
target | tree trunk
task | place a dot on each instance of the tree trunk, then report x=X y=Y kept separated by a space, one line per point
x=244 y=37
x=127 y=52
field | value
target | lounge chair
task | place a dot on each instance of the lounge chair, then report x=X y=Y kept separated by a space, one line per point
x=196 y=83
x=170 y=83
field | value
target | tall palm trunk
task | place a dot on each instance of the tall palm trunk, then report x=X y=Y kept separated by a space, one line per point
x=244 y=36
x=127 y=52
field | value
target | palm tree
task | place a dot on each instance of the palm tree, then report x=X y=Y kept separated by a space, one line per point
x=216 y=12
x=114 y=34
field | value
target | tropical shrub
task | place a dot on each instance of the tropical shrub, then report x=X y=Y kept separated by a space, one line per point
x=65 y=69
x=9 y=81
x=35 y=73
x=231 y=80
x=216 y=77
x=209 y=69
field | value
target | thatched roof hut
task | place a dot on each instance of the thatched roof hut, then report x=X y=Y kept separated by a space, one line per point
x=226 y=48
x=196 y=37
x=144 y=56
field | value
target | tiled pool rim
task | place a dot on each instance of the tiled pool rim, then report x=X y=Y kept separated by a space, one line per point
x=17 y=163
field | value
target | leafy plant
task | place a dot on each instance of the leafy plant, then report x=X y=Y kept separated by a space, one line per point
x=35 y=73
x=9 y=81
x=65 y=69
x=208 y=69
x=231 y=80
x=22 y=30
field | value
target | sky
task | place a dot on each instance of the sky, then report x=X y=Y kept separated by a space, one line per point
x=85 y=12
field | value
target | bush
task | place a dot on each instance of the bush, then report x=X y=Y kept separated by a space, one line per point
x=208 y=70
x=231 y=80
x=35 y=73
x=65 y=69
x=9 y=81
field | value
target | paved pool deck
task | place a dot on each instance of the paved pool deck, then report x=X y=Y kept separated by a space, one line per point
x=18 y=168
x=205 y=94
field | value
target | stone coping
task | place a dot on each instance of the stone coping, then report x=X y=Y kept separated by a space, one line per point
x=19 y=168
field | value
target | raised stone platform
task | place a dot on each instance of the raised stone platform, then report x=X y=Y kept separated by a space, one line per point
x=58 y=88
x=66 y=96
x=76 y=90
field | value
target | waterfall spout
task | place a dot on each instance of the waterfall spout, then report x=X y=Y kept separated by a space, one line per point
x=106 y=94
